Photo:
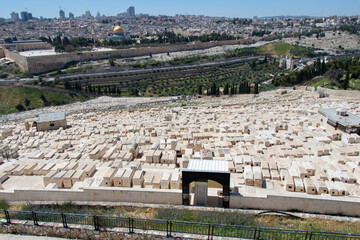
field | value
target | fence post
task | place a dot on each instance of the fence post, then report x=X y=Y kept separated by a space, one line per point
x=310 y=236
x=257 y=232
x=7 y=215
x=212 y=231
x=209 y=231
x=131 y=225
x=96 y=226
x=63 y=216
x=167 y=229
x=170 y=228
x=34 y=218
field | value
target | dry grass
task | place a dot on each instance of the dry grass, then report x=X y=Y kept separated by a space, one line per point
x=313 y=224
x=272 y=221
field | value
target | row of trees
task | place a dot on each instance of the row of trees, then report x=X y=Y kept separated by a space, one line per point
x=66 y=44
x=229 y=89
x=297 y=77
x=171 y=37
x=99 y=89
x=338 y=71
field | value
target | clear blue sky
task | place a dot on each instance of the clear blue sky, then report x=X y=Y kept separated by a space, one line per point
x=228 y=8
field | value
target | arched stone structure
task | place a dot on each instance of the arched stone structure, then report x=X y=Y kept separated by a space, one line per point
x=189 y=176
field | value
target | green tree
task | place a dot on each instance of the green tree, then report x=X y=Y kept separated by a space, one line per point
x=134 y=91
x=200 y=90
x=256 y=88
x=20 y=107
x=213 y=89
x=226 y=89
x=346 y=82
x=27 y=102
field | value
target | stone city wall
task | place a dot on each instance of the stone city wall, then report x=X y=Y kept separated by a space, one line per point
x=20 y=60
x=309 y=204
x=38 y=64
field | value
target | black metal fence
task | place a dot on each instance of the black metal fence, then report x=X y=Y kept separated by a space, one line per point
x=128 y=224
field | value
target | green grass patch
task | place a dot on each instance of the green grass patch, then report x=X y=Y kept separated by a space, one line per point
x=11 y=96
x=327 y=83
x=281 y=49
x=276 y=49
x=321 y=83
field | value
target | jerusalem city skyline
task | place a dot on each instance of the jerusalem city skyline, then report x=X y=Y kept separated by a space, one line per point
x=239 y=9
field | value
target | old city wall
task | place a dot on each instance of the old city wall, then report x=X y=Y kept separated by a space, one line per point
x=38 y=64
x=21 y=61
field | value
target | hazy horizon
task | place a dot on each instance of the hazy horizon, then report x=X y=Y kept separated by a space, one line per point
x=214 y=8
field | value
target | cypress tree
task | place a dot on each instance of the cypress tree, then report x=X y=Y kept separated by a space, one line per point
x=200 y=90
x=226 y=89
x=256 y=88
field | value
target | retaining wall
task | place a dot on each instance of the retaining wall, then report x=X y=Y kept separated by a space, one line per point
x=101 y=194
x=339 y=93
x=311 y=204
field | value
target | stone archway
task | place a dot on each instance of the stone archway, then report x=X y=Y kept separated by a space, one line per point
x=191 y=175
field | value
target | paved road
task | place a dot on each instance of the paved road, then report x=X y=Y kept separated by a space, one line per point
x=26 y=237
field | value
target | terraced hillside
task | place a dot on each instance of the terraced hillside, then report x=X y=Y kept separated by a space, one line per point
x=172 y=81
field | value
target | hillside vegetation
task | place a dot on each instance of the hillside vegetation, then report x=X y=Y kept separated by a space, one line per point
x=281 y=49
x=11 y=97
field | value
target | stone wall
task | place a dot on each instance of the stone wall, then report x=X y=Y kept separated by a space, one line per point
x=339 y=93
x=20 y=60
x=99 y=194
x=80 y=232
x=38 y=64
x=52 y=125
x=311 y=204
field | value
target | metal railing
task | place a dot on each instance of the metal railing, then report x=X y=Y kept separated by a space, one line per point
x=128 y=224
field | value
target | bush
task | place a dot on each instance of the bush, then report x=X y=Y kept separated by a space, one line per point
x=20 y=107
x=4 y=205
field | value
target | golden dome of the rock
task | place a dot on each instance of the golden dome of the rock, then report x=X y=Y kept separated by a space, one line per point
x=118 y=29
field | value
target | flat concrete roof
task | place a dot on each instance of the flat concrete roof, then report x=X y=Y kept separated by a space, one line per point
x=196 y=165
x=349 y=120
x=43 y=52
x=51 y=117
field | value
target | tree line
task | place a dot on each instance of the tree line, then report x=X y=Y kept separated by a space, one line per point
x=229 y=89
x=338 y=71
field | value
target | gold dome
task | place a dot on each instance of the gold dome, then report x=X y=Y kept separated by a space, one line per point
x=118 y=29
